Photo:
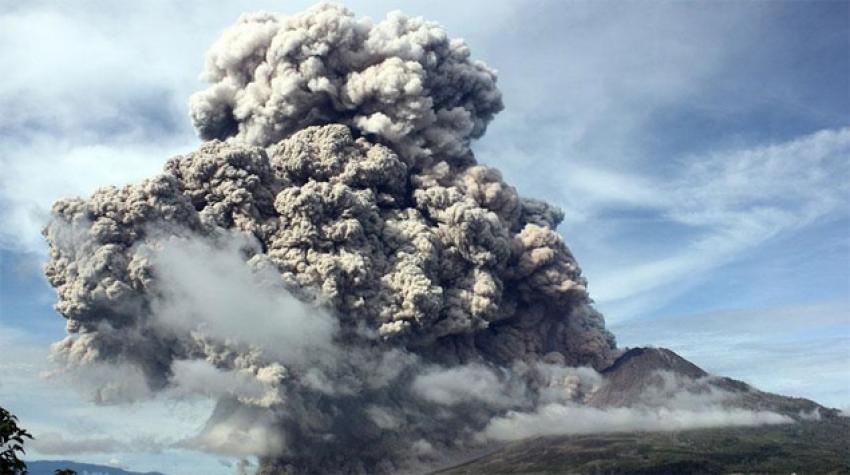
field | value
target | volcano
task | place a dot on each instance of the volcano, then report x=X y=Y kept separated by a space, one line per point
x=816 y=439
x=335 y=268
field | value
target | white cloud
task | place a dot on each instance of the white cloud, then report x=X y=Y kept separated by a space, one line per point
x=211 y=290
x=669 y=402
x=67 y=425
x=582 y=83
x=796 y=350
x=459 y=384
x=244 y=432
x=104 y=383
x=55 y=443
x=199 y=377
x=729 y=203
x=581 y=123
x=37 y=174
x=560 y=419
x=99 y=125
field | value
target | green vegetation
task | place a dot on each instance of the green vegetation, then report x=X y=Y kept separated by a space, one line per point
x=821 y=447
x=11 y=444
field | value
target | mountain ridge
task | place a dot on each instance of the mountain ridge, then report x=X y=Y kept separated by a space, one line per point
x=641 y=370
x=48 y=467
x=815 y=440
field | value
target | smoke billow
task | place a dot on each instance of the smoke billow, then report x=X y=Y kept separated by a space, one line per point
x=332 y=264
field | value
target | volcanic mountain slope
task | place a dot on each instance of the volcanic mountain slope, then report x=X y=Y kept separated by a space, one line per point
x=805 y=447
x=815 y=440
x=650 y=376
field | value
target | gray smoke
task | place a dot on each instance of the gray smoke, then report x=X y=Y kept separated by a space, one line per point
x=357 y=291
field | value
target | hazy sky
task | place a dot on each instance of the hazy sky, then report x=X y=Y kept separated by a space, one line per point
x=701 y=153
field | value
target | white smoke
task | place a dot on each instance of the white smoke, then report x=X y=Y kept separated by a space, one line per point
x=239 y=431
x=207 y=291
x=562 y=419
x=459 y=384
x=193 y=377
x=670 y=402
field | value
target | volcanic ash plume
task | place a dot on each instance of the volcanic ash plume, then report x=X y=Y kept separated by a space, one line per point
x=332 y=264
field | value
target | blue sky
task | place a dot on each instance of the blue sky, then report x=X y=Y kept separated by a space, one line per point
x=701 y=153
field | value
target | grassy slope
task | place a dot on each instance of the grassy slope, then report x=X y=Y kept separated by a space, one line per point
x=804 y=448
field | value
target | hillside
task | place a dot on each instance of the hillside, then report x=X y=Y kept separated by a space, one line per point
x=817 y=442
x=818 y=447
x=637 y=378
x=48 y=467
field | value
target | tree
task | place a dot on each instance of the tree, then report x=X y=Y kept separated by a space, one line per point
x=11 y=444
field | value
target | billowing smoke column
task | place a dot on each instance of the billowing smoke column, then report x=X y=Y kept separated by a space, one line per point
x=332 y=263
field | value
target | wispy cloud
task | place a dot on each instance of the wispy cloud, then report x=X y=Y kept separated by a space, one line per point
x=65 y=424
x=115 y=116
x=722 y=204
x=676 y=144
x=793 y=350
x=55 y=443
x=559 y=419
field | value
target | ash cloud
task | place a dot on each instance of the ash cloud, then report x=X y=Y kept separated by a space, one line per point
x=333 y=265
x=401 y=81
